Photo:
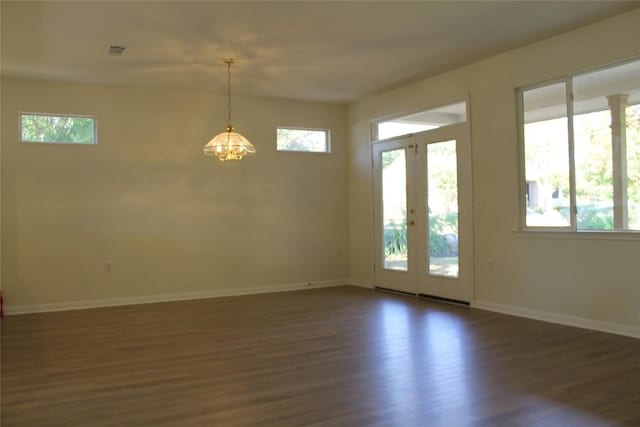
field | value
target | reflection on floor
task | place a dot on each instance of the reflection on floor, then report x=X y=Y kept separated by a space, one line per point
x=341 y=356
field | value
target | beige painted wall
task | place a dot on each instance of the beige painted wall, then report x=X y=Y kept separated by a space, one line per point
x=576 y=276
x=170 y=219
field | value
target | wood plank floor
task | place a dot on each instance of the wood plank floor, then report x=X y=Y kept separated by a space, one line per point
x=340 y=356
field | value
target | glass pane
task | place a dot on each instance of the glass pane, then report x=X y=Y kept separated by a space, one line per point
x=57 y=129
x=424 y=120
x=594 y=176
x=442 y=208
x=633 y=165
x=396 y=128
x=600 y=98
x=394 y=209
x=546 y=156
x=310 y=140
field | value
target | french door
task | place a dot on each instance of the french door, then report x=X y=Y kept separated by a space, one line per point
x=423 y=213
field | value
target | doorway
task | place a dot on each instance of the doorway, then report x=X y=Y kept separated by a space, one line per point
x=423 y=213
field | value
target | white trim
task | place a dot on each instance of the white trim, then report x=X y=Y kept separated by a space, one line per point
x=374 y=124
x=418 y=110
x=361 y=283
x=580 y=234
x=562 y=319
x=619 y=198
x=181 y=296
x=573 y=203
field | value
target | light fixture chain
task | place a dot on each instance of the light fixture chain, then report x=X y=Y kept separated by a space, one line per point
x=229 y=92
x=229 y=145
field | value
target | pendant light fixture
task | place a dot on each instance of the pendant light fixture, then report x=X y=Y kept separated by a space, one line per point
x=229 y=145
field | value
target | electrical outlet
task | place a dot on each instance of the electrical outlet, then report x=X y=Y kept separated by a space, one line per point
x=107 y=266
x=492 y=264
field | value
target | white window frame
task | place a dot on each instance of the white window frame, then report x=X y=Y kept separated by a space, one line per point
x=327 y=135
x=571 y=230
x=376 y=122
x=81 y=116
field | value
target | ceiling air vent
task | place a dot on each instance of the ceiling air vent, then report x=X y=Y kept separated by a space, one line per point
x=116 y=50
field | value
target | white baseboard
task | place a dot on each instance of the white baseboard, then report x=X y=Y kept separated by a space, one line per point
x=563 y=319
x=181 y=296
x=361 y=283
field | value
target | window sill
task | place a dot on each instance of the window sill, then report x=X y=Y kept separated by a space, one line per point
x=578 y=235
x=55 y=143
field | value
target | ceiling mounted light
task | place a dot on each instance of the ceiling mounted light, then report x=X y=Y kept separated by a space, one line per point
x=229 y=145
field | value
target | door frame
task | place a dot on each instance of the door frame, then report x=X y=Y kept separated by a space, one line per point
x=417 y=280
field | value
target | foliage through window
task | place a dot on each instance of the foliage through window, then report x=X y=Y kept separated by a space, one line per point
x=57 y=129
x=308 y=140
x=581 y=146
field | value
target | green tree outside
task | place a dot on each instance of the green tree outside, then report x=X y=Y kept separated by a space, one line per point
x=58 y=129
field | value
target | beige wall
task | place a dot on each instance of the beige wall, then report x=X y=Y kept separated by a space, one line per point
x=169 y=219
x=172 y=220
x=574 y=276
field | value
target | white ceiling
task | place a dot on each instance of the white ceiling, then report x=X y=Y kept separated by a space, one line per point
x=314 y=50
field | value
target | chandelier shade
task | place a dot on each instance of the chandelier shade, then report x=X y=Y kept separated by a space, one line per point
x=229 y=145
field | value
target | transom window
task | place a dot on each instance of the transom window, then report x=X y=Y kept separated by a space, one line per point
x=57 y=129
x=303 y=139
x=581 y=151
x=422 y=121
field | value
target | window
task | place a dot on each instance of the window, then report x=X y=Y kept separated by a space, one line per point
x=419 y=122
x=57 y=129
x=581 y=151
x=306 y=140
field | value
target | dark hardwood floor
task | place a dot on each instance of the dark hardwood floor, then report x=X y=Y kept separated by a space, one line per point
x=340 y=356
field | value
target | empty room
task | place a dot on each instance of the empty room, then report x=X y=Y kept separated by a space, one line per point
x=320 y=213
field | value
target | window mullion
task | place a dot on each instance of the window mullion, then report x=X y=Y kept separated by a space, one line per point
x=572 y=163
x=521 y=158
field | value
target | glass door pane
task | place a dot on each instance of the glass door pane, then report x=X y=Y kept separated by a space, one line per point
x=442 y=208
x=394 y=209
